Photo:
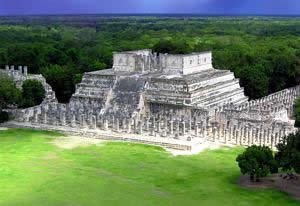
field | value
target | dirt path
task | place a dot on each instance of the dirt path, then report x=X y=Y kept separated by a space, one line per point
x=291 y=187
x=70 y=142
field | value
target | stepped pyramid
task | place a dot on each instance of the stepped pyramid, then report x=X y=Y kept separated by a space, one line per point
x=142 y=82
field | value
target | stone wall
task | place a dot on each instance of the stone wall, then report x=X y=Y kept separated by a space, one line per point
x=21 y=75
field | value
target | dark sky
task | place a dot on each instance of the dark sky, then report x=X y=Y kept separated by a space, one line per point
x=12 y=7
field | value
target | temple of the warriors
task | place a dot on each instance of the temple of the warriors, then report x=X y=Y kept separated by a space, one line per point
x=177 y=101
x=142 y=83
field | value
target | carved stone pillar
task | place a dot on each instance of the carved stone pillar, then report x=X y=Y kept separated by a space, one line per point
x=171 y=127
x=196 y=129
x=225 y=136
x=141 y=127
x=63 y=118
x=129 y=126
x=94 y=122
x=183 y=128
x=106 y=124
x=124 y=124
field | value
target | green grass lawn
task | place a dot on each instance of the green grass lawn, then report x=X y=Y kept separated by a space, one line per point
x=34 y=172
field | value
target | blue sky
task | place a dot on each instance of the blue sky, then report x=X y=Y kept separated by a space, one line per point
x=288 y=7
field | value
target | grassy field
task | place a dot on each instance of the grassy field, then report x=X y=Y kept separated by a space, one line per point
x=35 y=172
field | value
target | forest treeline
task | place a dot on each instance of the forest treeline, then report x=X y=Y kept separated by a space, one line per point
x=264 y=52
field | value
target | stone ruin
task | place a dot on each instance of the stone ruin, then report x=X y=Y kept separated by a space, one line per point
x=178 y=101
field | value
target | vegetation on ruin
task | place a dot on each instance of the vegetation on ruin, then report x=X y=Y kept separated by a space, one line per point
x=9 y=93
x=36 y=172
x=257 y=162
x=264 y=52
x=33 y=93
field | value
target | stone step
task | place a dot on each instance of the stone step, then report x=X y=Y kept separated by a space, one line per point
x=219 y=97
x=217 y=87
x=235 y=96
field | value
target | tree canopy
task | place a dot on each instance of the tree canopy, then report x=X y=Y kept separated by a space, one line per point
x=9 y=94
x=33 y=93
x=264 y=52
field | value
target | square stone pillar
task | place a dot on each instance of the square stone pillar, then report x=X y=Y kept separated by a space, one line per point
x=141 y=127
x=183 y=128
x=237 y=137
x=63 y=118
x=106 y=124
x=196 y=130
x=129 y=126
x=225 y=136
x=94 y=122
x=25 y=70
x=124 y=124
x=171 y=130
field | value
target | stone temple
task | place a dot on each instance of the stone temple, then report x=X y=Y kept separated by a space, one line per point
x=177 y=101
x=142 y=83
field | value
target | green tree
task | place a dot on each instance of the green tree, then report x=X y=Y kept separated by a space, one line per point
x=62 y=80
x=33 y=93
x=9 y=93
x=297 y=112
x=254 y=81
x=288 y=155
x=170 y=47
x=257 y=162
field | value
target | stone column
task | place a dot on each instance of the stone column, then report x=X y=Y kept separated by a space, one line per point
x=135 y=125
x=63 y=118
x=94 y=122
x=25 y=70
x=276 y=138
x=196 y=129
x=158 y=127
x=183 y=128
x=83 y=122
x=129 y=126
x=124 y=124
x=272 y=141
x=268 y=136
x=171 y=127
x=73 y=121
x=214 y=134
x=117 y=125
x=177 y=129
x=106 y=124
x=44 y=119
x=190 y=127
x=20 y=70
x=225 y=136
x=230 y=133
x=147 y=124
x=7 y=68
x=141 y=127
x=152 y=130
x=241 y=137
x=264 y=137
x=35 y=116
x=237 y=137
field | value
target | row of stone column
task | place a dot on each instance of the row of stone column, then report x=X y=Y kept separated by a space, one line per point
x=233 y=134
x=247 y=135
x=21 y=69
